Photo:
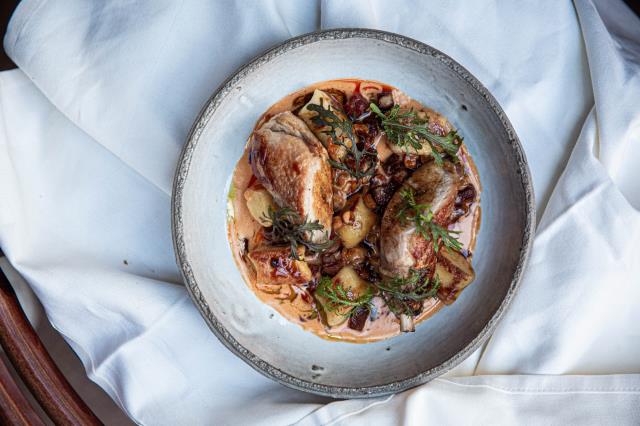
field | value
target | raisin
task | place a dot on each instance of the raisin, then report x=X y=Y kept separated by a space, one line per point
x=358 y=318
x=356 y=106
x=466 y=194
x=382 y=194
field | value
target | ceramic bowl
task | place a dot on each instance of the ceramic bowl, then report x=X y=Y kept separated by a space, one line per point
x=254 y=331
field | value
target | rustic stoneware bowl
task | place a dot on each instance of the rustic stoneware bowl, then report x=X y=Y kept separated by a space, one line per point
x=259 y=335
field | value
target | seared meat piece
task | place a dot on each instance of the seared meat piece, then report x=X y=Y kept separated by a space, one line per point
x=455 y=273
x=275 y=268
x=293 y=166
x=401 y=247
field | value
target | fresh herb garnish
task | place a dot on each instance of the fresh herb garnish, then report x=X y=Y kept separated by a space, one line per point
x=422 y=216
x=288 y=227
x=402 y=294
x=363 y=160
x=340 y=300
x=407 y=130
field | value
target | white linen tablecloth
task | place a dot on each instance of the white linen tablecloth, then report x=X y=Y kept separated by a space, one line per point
x=91 y=126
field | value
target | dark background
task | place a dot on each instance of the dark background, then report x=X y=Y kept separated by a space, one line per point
x=7 y=7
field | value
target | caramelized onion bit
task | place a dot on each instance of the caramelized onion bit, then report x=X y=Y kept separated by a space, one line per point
x=465 y=197
x=343 y=186
x=394 y=168
x=338 y=95
x=367 y=130
x=300 y=101
x=244 y=248
x=313 y=259
x=332 y=260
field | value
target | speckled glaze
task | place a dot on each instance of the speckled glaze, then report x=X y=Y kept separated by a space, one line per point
x=258 y=334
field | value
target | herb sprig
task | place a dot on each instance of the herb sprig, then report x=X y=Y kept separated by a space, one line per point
x=422 y=216
x=407 y=130
x=364 y=160
x=401 y=294
x=338 y=298
x=288 y=227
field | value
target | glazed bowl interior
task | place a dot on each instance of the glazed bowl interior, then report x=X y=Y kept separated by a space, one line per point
x=256 y=332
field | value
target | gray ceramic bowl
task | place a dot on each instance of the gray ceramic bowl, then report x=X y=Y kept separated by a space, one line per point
x=259 y=335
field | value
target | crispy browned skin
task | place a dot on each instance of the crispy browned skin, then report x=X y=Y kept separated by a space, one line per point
x=275 y=267
x=293 y=166
x=401 y=247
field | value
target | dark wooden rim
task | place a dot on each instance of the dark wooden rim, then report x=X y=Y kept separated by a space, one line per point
x=24 y=348
x=14 y=407
x=37 y=370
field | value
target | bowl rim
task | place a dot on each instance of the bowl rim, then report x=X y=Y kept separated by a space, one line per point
x=182 y=171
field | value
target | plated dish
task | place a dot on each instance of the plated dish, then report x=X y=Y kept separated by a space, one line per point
x=354 y=210
x=263 y=332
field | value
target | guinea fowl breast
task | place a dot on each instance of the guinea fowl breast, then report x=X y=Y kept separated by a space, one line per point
x=402 y=248
x=291 y=163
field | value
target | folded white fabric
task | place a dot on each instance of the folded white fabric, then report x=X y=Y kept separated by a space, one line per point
x=496 y=401
x=92 y=126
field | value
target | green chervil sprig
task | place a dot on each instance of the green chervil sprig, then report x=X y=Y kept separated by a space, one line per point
x=288 y=227
x=338 y=297
x=364 y=160
x=400 y=293
x=422 y=216
x=405 y=129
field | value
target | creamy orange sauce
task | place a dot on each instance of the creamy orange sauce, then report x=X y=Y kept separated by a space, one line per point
x=295 y=307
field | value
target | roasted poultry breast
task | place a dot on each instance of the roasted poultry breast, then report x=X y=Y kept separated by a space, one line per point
x=402 y=248
x=291 y=163
x=355 y=210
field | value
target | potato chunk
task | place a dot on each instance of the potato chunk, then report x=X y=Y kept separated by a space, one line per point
x=455 y=273
x=353 y=285
x=275 y=269
x=259 y=201
x=356 y=223
x=336 y=152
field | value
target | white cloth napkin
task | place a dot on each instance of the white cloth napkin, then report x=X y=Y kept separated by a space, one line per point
x=90 y=131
